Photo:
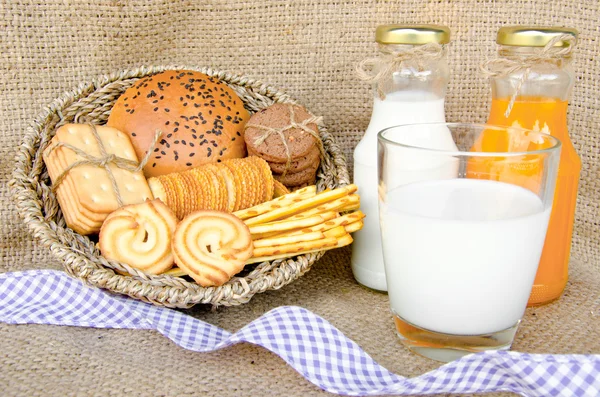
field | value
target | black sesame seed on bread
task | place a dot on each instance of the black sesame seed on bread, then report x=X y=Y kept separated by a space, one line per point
x=201 y=118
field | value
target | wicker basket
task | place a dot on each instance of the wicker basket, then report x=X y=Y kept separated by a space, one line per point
x=92 y=102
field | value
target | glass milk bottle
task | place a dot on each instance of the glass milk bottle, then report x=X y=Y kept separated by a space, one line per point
x=534 y=94
x=409 y=79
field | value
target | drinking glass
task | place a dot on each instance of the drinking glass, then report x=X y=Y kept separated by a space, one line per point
x=462 y=231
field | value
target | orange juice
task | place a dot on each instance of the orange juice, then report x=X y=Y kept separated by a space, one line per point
x=547 y=115
x=521 y=170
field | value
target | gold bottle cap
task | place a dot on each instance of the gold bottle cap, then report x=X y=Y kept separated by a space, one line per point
x=533 y=36
x=412 y=34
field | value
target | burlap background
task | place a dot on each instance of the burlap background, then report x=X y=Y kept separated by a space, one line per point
x=308 y=49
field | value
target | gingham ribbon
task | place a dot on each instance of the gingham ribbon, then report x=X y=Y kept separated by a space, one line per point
x=307 y=342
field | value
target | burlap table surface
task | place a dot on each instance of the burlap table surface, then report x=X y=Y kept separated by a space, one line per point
x=308 y=49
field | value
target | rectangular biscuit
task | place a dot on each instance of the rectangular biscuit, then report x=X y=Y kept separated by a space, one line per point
x=56 y=165
x=89 y=186
x=93 y=183
x=76 y=219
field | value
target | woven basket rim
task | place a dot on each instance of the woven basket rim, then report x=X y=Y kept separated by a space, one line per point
x=83 y=263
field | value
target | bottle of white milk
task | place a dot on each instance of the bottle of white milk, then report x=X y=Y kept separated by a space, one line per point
x=409 y=87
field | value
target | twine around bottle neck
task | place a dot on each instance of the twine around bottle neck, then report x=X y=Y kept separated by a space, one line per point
x=509 y=64
x=377 y=70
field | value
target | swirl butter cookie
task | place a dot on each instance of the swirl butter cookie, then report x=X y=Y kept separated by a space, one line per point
x=140 y=236
x=212 y=246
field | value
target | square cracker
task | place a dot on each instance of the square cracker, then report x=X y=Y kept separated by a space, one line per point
x=77 y=218
x=91 y=185
x=67 y=191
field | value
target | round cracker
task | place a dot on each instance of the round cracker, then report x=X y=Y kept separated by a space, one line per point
x=180 y=192
x=205 y=188
x=279 y=189
x=229 y=182
x=237 y=183
x=265 y=177
x=246 y=176
x=168 y=188
x=216 y=184
x=191 y=184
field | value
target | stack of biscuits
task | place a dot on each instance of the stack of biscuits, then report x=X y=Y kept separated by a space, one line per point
x=89 y=184
x=287 y=137
x=229 y=186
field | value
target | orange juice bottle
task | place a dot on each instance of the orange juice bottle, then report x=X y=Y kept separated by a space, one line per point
x=535 y=96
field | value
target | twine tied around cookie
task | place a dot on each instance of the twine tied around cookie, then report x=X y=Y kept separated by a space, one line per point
x=379 y=69
x=104 y=161
x=280 y=132
x=504 y=66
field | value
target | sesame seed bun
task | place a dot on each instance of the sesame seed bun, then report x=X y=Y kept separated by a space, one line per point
x=201 y=119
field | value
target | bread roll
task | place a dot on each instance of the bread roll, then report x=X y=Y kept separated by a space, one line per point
x=201 y=118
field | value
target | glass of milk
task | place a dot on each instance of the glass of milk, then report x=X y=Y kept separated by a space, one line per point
x=462 y=232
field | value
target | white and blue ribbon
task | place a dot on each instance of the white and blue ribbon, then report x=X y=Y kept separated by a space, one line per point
x=305 y=341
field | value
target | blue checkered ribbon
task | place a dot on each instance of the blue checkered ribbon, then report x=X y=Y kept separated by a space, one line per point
x=307 y=342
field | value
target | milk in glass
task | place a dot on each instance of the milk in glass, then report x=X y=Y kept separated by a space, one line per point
x=462 y=253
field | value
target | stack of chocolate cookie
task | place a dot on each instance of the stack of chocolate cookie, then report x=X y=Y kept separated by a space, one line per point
x=287 y=137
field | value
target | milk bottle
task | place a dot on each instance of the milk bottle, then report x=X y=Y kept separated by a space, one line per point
x=409 y=87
